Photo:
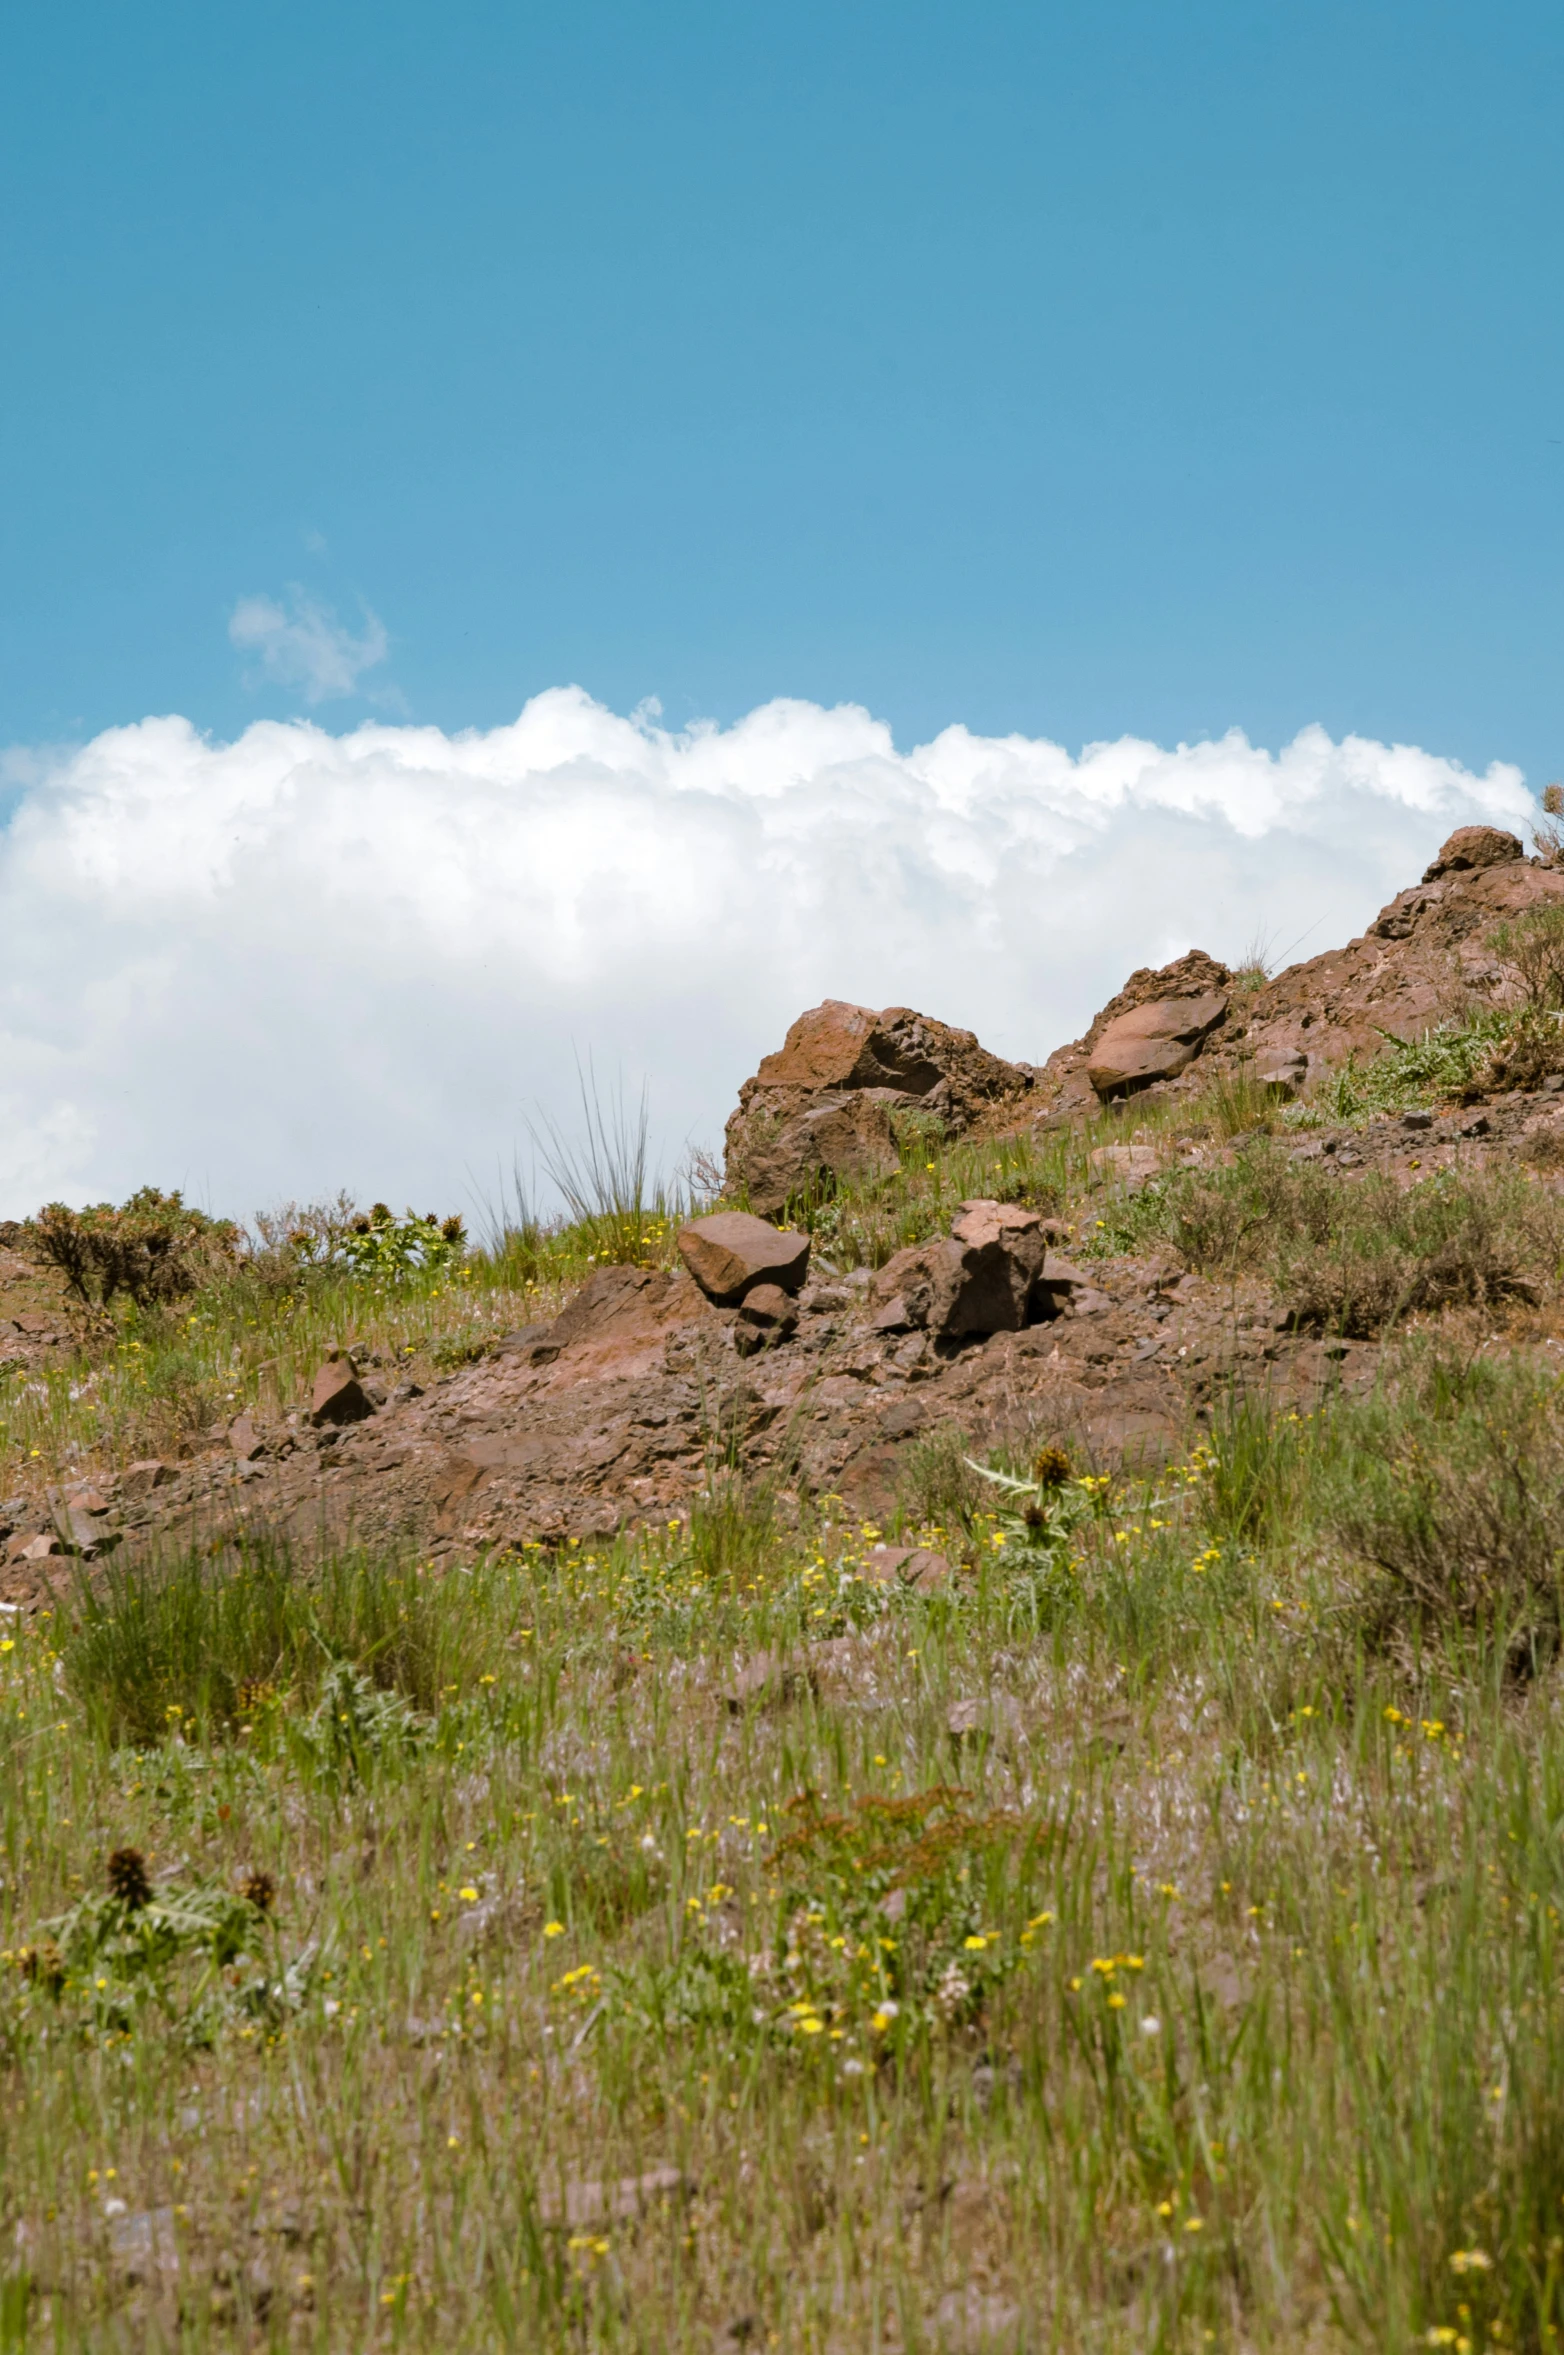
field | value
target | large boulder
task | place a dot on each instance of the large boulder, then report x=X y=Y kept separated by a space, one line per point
x=819 y=1109
x=731 y=1253
x=1474 y=846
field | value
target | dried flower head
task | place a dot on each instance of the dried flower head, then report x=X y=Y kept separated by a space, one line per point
x=1553 y=800
x=1050 y=1467
x=43 y=1966
x=258 y=1889
x=129 y=1880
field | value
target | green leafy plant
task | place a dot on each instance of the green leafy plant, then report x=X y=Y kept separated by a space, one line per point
x=387 y=1249
x=120 y=1950
x=896 y=1916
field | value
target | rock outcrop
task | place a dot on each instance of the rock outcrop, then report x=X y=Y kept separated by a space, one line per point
x=1426 y=957
x=820 y=1108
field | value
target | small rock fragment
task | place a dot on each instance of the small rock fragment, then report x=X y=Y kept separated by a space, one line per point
x=338 y=1396
x=139 y=1479
x=768 y=1314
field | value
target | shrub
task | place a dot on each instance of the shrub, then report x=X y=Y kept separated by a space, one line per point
x=154 y=1649
x=1352 y=1258
x=1534 y=944
x=896 y=1916
x=1450 y=1060
x=1450 y=1485
x=153 y=1248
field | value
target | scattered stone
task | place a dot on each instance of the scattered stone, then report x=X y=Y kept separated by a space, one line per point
x=338 y=1396
x=583 y=2204
x=765 y=1681
x=974 y=1723
x=38 y=1548
x=1478 y=1126
x=1281 y=1071
x=731 y=1253
x=1130 y=1165
x=1417 y=1120
x=245 y=1441
x=81 y=1531
x=532 y=1343
x=139 y=1479
x=768 y=1315
x=981 y=1280
x=918 y=1567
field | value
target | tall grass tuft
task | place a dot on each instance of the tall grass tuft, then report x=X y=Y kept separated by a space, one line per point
x=184 y=1646
x=620 y=1208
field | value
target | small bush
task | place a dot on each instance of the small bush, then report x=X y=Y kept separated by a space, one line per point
x=897 y=1916
x=939 y=1487
x=1352 y=1258
x=1449 y=1061
x=153 y=1248
x=1534 y=944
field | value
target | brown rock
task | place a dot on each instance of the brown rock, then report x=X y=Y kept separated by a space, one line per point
x=1128 y=1165
x=338 y=1396
x=733 y=1252
x=1282 y=1070
x=141 y=1478
x=768 y=1315
x=915 y=1566
x=846 y=1138
x=819 y=1107
x=1156 y=1040
x=979 y=1281
x=765 y=1681
x=36 y=1548
x=245 y=1440
x=1474 y=846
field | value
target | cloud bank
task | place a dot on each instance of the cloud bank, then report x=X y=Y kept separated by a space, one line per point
x=300 y=961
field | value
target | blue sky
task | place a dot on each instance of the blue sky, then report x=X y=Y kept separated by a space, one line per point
x=1065 y=370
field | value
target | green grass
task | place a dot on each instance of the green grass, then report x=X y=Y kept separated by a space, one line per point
x=1204 y=1987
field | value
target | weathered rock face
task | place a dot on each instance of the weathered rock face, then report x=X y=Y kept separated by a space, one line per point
x=732 y=1252
x=819 y=1108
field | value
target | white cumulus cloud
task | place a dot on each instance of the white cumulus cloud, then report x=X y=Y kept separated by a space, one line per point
x=302 y=643
x=304 y=960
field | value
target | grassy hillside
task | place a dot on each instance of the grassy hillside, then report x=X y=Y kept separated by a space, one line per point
x=1150 y=1938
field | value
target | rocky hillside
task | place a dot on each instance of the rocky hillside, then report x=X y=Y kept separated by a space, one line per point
x=1003 y=1251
